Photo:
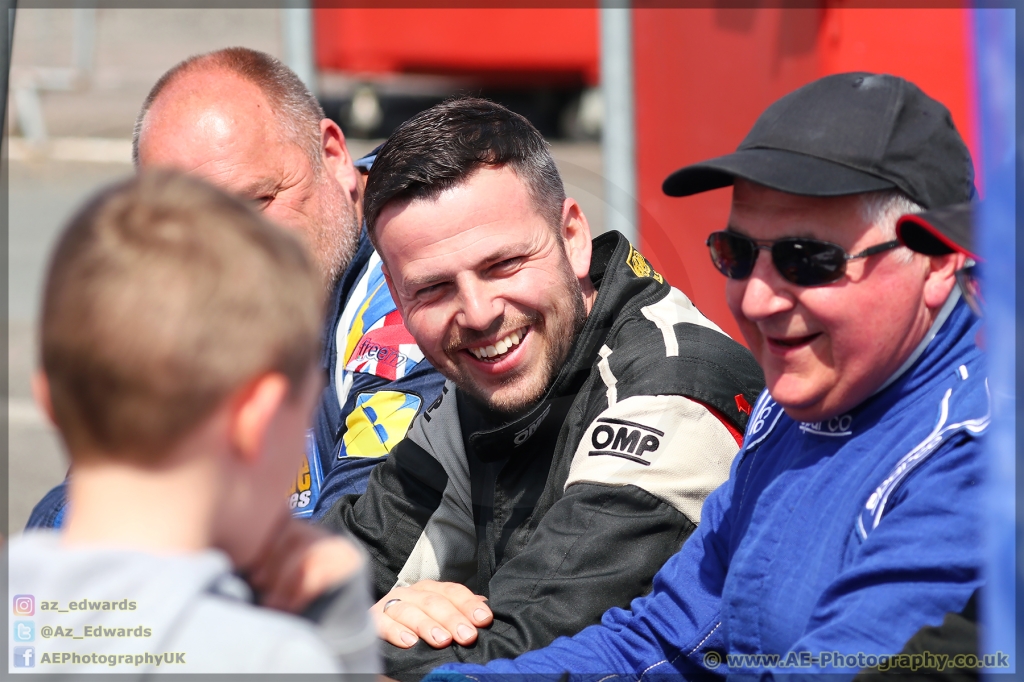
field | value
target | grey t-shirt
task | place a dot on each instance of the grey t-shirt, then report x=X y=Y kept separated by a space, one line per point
x=92 y=609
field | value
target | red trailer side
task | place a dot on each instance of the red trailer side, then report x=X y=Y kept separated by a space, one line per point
x=499 y=47
x=702 y=76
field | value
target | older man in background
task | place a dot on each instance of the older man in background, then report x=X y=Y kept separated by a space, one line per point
x=243 y=121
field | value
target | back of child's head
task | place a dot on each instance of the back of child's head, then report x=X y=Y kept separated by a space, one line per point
x=165 y=296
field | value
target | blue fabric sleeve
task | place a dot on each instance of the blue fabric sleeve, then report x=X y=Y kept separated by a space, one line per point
x=924 y=555
x=667 y=631
x=49 y=511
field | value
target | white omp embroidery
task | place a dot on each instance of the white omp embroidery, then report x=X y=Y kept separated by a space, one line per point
x=876 y=503
x=525 y=434
x=605 y=368
x=836 y=426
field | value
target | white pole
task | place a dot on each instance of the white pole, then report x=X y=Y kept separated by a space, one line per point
x=618 y=134
x=297 y=34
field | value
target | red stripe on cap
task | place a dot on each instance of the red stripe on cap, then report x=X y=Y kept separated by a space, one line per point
x=933 y=231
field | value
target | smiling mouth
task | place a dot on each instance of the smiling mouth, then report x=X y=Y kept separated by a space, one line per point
x=496 y=351
x=793 y=342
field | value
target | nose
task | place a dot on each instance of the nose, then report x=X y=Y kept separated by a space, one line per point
x=480 y=307
x=764 y=293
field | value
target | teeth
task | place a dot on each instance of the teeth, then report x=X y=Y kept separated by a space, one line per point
x=500 y=347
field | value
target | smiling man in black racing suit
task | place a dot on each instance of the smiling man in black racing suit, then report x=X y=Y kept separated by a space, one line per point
x=589 y=409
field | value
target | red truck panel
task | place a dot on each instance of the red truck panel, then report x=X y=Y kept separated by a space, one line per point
x=500 y=46
x=704 y=75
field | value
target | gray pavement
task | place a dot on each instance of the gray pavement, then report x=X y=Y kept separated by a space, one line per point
x=133 y=47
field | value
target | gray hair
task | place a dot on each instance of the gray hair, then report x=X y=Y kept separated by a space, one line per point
x=883 y=208
x=297 y=109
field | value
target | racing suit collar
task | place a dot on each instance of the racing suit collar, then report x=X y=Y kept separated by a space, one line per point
x=616 y=284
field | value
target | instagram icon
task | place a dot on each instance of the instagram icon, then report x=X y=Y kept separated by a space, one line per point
x=24 y=605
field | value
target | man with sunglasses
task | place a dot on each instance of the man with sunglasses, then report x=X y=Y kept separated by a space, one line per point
x=849 y=519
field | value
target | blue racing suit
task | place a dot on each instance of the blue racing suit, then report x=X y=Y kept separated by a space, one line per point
x=829 y=546
x=377 y=382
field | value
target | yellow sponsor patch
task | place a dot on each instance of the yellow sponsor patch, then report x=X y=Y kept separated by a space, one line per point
x=301 y=482
x=378 y=422
x=300 y=495
x=640 y=267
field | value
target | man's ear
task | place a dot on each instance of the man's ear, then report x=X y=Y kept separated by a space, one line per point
x=576 y=237
x=252 y=411
x=337 y=160
x=940 y=278
x=41 y=392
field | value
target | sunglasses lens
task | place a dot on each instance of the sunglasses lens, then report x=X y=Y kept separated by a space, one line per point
x=970 y=285
x=732 y=254
x=808 y=262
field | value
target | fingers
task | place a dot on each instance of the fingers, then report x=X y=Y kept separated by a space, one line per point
x=404 y=624
x=472 y=606
x=437 y=613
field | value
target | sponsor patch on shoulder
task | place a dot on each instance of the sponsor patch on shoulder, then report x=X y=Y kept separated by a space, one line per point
x=388 y=350
x=378 y=422
x=624 y=439
x=640 y=267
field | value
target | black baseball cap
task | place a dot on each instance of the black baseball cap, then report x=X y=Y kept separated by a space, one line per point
x=846 y=134
x=939 y=231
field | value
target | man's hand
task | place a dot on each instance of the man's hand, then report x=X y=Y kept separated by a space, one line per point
x=299 y=563
x=432 y=611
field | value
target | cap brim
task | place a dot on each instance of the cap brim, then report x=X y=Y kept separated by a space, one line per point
x=918 y=234
x=777 y=169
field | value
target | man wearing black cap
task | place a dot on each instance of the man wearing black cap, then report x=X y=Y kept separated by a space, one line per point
x=849 y=520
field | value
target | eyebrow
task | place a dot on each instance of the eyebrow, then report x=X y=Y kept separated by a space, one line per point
x=496 y=256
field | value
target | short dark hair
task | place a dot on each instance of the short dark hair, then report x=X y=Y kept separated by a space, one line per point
x=298 y=110
x=164 y=296
x=441 y=147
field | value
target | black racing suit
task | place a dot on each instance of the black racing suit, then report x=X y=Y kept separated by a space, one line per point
x=572 y=508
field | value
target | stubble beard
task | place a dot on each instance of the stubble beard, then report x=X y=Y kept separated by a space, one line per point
x=560 y=328
x=334 y=232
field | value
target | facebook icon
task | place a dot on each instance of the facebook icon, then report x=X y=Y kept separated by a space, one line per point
x=24 y=657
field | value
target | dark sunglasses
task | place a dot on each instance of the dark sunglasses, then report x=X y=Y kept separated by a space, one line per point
x=804 y=262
